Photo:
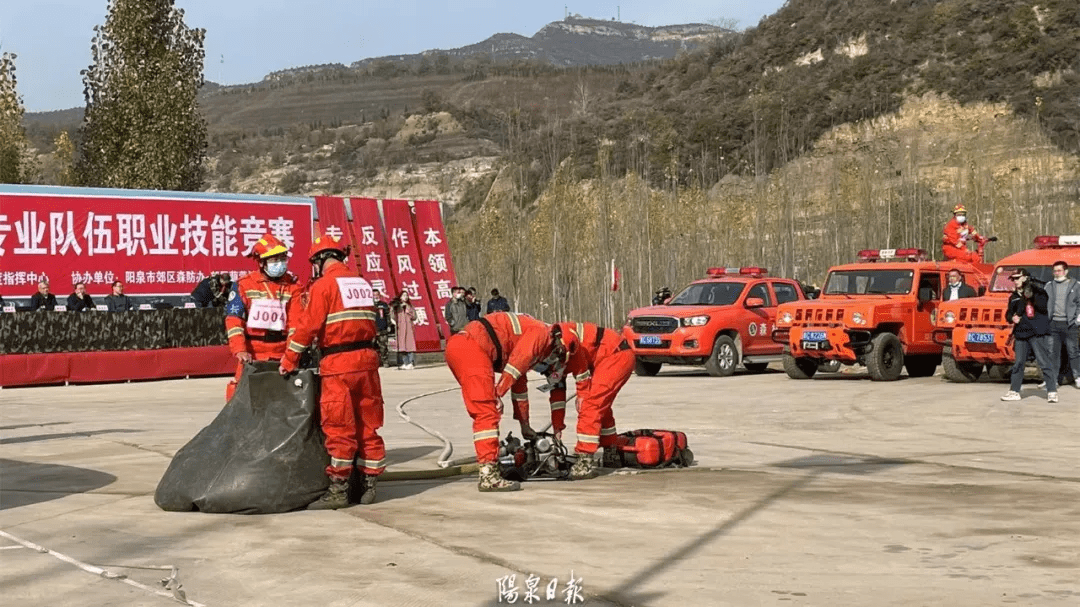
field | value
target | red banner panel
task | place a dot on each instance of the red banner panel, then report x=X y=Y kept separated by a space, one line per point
x=371 y=246
x=408 y=273
x=332 y=219
x=157 y=243
x=435 y=256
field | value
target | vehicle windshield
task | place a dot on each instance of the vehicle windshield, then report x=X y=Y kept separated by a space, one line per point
x=709 y=294
x=1004 y=284
x=874 y=282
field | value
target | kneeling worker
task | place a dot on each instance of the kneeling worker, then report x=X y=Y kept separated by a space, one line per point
x=509 y=344
x=341 y=313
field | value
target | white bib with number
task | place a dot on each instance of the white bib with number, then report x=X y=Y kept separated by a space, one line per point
x=356 y=292
x=267 y=314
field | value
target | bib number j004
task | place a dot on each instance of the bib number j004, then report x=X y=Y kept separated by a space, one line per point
x=267 y=314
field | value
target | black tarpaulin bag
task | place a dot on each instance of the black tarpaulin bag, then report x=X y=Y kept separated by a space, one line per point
x=263 y=453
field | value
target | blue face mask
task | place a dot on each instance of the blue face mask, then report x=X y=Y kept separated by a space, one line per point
x=276 y=269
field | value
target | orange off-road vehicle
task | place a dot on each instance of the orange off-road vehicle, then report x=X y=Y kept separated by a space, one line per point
x=974 y=332
x=722 y=321
x=879 y=312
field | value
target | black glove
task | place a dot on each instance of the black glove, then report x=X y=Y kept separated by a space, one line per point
x=992 y=239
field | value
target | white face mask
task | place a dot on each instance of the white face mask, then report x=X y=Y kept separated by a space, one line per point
x=1061 y=278
x=276 y=269
x=961 y=218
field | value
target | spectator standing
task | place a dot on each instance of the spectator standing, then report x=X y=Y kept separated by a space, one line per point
x=404 y=319
x=497 y=303
x=43 y=299
x=957 y=288
x=661 y=297
x=384 y=326
x=472 y=304
x=1027 y=310
x=456 y=310
x=79 y=301
x=1063 y=303
x=213 y=291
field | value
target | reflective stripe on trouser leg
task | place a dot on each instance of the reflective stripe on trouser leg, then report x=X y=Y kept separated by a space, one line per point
x=473 y=370
x=338 y=421
x=609 y=376
x=367 y=397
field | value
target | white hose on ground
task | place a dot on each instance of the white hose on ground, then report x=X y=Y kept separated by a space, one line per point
x=444 y=460
x=175 y=594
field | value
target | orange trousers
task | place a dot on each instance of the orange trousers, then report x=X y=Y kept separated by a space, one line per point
x=596 y=422
x=351 y=413
x=474 y=371
x=961 y=254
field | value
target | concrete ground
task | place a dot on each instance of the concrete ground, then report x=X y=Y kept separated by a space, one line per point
x=833 y=491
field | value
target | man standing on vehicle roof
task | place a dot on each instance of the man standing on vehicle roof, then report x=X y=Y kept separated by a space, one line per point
x=509 y=344
x=340 y=312
x=260 y=306
x=956 y=236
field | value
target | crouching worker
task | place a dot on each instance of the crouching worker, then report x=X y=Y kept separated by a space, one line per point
x=601 y=364
x=260 y=307
x=340 y=312
x=509 y=344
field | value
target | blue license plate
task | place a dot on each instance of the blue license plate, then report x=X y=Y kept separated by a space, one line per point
x=814 y=336
x=649 y=340
x=980 y=338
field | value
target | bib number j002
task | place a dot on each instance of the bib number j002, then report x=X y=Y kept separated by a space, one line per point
x=356 y=292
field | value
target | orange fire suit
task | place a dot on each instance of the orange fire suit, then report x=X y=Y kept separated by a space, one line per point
x=351 y=405
x=262 y=344
x=954 y=242
x=601 y=365
x=519 y=342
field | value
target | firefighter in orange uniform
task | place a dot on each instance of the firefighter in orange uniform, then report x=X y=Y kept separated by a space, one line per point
x=340 y=313
x=260 y=308
x=601 y=364
x=509 y=344
x=956 y=236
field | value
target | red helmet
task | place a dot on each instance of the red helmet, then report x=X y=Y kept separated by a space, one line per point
x=325 y=243
x=268 y=246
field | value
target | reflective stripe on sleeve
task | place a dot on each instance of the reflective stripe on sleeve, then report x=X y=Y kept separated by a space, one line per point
x=515 y=323
x=584 y=376
x=295 y=347
x=512 y=371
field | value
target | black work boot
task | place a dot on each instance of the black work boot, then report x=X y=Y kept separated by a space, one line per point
x=367 y=489
x=337 y=496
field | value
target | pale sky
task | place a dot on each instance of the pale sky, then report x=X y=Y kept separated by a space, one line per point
x=52 y=37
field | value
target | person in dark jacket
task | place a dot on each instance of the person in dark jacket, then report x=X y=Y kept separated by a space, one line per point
x=497 y=303
x=213 y=291
x=385 y=326
x=456 y=312
x=661 y=296
x=118 y=302
x=472 y=305
x=1027 y=311
x=957 y=288
x=43 y=299
x=79 y=301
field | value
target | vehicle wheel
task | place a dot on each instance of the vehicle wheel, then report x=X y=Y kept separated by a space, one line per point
x=998 y=372
x=886 y=359
x=756 y=367
x=724 y=357
x=830 y=366
x=799 y=368
x=922 y=365
x=646 y=369
x=961 y=373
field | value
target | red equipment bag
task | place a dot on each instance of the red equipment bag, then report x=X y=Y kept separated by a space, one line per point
x=653 y=449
